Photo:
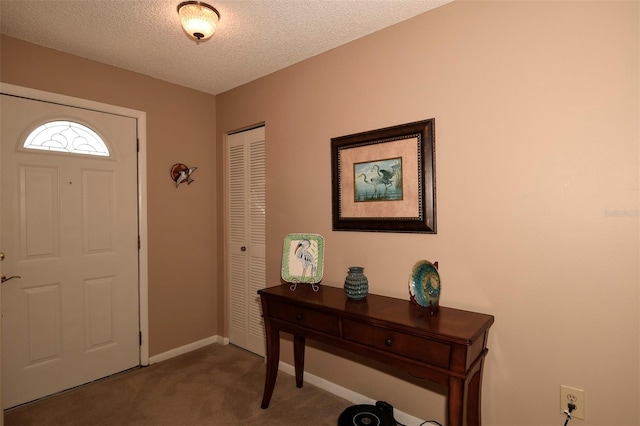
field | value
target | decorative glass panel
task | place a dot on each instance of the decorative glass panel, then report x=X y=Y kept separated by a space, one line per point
x=66 y=136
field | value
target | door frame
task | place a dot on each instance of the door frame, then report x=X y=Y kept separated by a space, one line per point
x=141 y=123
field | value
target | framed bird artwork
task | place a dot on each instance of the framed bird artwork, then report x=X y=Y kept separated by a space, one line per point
x=384 y=180
x=303 y=259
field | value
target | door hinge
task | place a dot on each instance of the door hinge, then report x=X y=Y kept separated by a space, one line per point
x=140 y=336
x=139 y=244
x=137 y=145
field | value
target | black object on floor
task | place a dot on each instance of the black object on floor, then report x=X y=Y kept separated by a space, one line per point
x=366 y=415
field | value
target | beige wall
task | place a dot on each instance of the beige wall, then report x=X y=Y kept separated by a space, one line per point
x=537 y=153
x=180 y=129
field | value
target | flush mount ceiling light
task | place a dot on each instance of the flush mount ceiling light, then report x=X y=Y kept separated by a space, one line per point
x=199 y=20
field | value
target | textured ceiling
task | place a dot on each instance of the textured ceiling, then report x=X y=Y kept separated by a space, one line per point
x=254 y=37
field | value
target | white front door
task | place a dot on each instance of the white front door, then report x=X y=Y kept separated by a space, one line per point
x=69 y=229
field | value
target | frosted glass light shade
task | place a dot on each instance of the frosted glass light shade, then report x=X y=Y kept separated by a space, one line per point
x=199 y=20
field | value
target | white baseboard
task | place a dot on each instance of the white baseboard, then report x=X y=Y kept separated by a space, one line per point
x=348 y=394
x=188 y=348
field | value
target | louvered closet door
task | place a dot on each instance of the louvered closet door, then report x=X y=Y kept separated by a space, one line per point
x=246 y=214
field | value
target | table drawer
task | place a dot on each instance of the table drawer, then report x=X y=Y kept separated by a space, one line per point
x=305 y=317
x=405 y=345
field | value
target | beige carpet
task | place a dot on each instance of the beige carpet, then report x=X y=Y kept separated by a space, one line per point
x=215 y=385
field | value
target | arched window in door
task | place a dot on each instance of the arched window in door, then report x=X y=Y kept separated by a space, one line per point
x=66 y=136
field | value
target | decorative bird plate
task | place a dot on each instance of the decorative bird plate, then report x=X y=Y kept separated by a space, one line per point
x=424 y=284
x=303 y=259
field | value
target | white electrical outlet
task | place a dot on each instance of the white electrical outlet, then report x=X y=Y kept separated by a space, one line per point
x=574 y=396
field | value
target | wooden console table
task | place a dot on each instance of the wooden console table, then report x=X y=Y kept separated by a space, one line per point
x=448 y=348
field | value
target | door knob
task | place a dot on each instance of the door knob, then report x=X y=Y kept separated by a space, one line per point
x=5 y=279
x=1 y=256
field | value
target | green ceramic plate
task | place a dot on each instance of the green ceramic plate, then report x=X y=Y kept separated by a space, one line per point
x=303 y=258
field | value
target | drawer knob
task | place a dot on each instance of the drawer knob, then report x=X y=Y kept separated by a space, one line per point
x=298 y=317
x=387 y=342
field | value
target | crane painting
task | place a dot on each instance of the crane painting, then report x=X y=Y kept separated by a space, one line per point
x=307 y=256
x=379 y=180
x=302 y=259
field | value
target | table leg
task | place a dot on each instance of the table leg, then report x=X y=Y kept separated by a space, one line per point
x=273 y=359
x=455 y=402
x=463 y=400
x=473 y=397
x=298 y=358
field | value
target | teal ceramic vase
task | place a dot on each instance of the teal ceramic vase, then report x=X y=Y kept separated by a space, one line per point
x=356 y=285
